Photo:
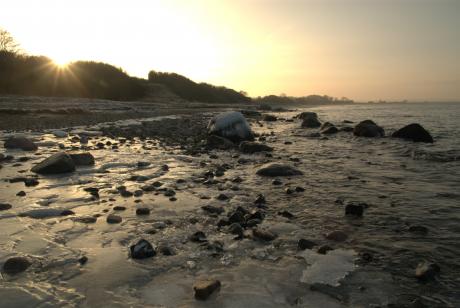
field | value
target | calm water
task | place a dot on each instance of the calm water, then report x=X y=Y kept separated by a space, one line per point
x=405 y=184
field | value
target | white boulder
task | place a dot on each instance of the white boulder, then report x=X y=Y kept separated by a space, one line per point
x=231 y=125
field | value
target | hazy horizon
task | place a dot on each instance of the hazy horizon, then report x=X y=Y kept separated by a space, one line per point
x=364 y=50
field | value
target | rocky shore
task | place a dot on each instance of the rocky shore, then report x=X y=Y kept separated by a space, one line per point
x=228 y=208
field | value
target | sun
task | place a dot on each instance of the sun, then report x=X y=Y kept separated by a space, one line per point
x=61 y=62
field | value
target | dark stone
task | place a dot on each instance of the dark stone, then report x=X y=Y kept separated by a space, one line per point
x=198 y=237
x=269 y=118
x=21 y=193
x=16 y=265
x=126 y=193
x=235 y=228
x=324 y=249
x=205 y=287
x=260 y=199
x=236 y=216
x=253 y=222
x=354 y=209
x=217 y=142
x=337 y=236
x=113 y=219
x=263 y=235
x=20 y=143
x=299 y=189
x=418 y=229
x=222 y=197
x=67 y=213
x=289 y=191
x=368 y=128
x=223 y=222
x=213 y=209
x=86 y=219
x=83 y=260
x=303 y=244
x=169 y=193
x=82 y=159
x=31 y=182
x=55 y=164
x=275 y=169
x=5 y=206
x=142 y=211
x=286 y=214
x=142 y=250
x=250 y=147
x=119 y=208
x=414 y=132
x=426 y=271
x=166 y=250
x=277 y=182
x=329 y=130
x=310 y=120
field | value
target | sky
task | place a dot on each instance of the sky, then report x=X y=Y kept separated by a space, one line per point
x=364 y=50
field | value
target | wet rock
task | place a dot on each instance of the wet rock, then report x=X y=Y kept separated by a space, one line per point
x=82 y=159
x=250 y=147
x=286 y=214
x=113 y=219
x=29 y=182
x=231 y=125
x=328 y=129
x=309 y=120
x=222 y=197
x=289 y=191
x=324 y=249
x=169 y=193
x=236 y=216
x=142 y=211
x=263 y=235
x=55 y=164
x=299 y=189
x=250 y=113
x=67 y=212
x=260 y=199
x=426 y=271
x=217 y=142
x=236 y=228
x=223 y=222
x=270 y=118
x=5 y=206
x=142 y=250
x=303 y=244
x=368 y=128
x=126 y=193
x=16 y=265
x=20 y=143
x=83 y=260
x=205 y=287
x=275 y=169
x=354 y=209
x=93 y=191
x=414 y=132
x=119 y=208
x=198 y=237
x=143 y=164
x=213 y=209
x=337 y=236
x=166 y=250
x=21 y=193
x=60 y=134
x=277 y=182
x=250 y=223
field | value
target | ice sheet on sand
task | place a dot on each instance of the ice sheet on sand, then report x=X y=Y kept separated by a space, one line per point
x=327 y=269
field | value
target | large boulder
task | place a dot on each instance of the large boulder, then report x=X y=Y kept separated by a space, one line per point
x=57 y=163
x=250 y=147
x=414 y=132
x=82 y=158
x=368 y=128
x=231 y=125
x=309 y=120
x=275 y=169
x=20 y=143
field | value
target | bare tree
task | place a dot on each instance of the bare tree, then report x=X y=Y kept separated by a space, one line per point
x=7 y=42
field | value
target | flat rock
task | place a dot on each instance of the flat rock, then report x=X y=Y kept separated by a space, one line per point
x=276 y=169
x=414 y=132
x=20 y=143
x=55 y=164
x=205 y=287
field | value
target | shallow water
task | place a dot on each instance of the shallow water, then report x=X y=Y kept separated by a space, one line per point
x=405 y=184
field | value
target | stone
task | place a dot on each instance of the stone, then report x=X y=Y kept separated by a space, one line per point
x=113 y=219
x=20 y=143
x=414 y=132
x=231 y=125
x=418 y=229
x=142 y=211
x=236 y=216
x=60 y=134
x=31 y=182
x=217 y=142
x=426 y=271
x=222 y=197
x=337 y=236
x=270 y=118
x=286 y=214
x=250 y=147
x=276 y=169
x=198 y=237
x=205 y=287
x=169 y=193
x=368 y=128
x=309 y=119
x=55 y=164
x=303 y=244
x=5 y=206
x=263 y=235
x=21 y=193
x=260 y=199
x=328 y=129
x=324 y=249
x=86 y=219
x=16 y=265
x=142 y=250
x=119 y=208
x=236 y=228
x=213 y=209
x=166 y=250
x=82 y=159
x=354 y=209
x=83 y=260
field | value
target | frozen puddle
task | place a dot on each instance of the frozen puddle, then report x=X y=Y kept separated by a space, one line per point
x=328 y=269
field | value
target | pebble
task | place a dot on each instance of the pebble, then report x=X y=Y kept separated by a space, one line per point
x=303 y=244
x=354 y=209
x=119 y=208
x=198 y=237
x=205 y=287
x=142 y=250
x=21 y=193
x=5 y=206
x=142 y=211
x=113 y=219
